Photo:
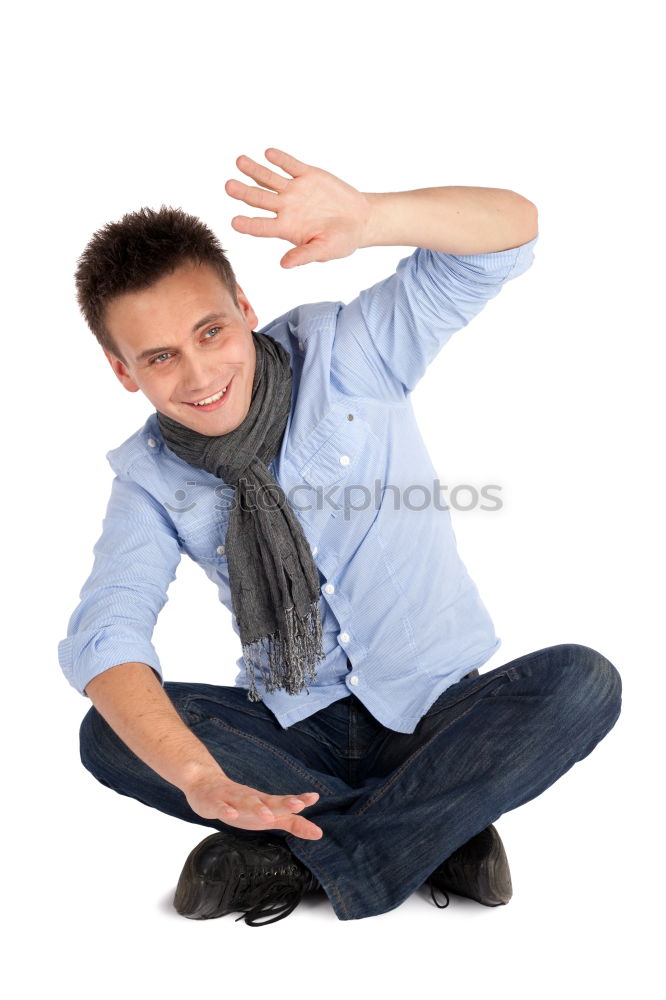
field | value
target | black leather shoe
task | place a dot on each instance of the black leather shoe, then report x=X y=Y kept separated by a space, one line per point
x=479 y=870
x=226 y=873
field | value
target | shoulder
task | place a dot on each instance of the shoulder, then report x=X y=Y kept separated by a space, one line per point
x=145 y=458
x=294 y=327
x=138 y=446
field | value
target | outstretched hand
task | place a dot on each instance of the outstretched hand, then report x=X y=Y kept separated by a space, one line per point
x=215 y=796
x=323 y=217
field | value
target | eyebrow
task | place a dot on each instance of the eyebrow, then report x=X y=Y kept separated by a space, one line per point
x=197 y=326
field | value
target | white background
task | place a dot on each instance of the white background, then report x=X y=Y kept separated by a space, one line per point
x=553 y=392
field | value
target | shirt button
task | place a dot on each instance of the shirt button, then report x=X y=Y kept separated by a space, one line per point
x=151 y=442
x=344 y=459
x=329 y=588
x=344 y=637
x=353 y=680
x=300 y=344
x=315 y=551
x=220 y=550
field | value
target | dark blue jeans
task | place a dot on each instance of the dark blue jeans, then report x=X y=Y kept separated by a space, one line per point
x=392 y=806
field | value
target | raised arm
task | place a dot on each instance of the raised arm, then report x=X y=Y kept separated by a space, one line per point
x=326 y=218
x=453 y=220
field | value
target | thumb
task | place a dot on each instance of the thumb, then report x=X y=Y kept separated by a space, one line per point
x=304 y=254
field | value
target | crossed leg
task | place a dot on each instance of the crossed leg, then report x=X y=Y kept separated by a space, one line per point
x=488 y=744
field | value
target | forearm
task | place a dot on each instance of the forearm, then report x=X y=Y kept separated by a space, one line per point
x=457 y=220
x=132 y=701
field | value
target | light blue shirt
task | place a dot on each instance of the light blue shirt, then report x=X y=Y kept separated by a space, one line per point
x=402 y=619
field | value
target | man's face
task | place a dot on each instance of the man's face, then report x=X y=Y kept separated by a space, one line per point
x=184 y=339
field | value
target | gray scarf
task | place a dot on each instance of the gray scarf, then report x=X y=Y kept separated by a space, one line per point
x=273 y=578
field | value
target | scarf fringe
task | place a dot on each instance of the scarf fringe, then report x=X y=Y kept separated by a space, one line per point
x=291 y=657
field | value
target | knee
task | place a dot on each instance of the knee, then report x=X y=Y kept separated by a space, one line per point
x=593 y=682
x=95 y=737
x=87 y=738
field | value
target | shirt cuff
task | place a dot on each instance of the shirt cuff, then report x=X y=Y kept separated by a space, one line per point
x=502 y=265
x=85 y=655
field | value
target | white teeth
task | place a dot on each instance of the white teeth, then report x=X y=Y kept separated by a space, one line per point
x=211 y=399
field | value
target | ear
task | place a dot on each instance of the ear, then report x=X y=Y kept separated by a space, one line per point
x=121 y=372
x=245 y=307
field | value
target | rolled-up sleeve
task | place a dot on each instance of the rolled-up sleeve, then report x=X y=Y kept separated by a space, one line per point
x=135 y=561
x=387 y=336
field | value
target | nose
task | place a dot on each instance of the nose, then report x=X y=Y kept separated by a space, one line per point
x=199 y=378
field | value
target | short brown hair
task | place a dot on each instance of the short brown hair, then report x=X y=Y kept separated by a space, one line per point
x=134 y=253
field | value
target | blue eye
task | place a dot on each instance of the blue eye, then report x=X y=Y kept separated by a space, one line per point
x=214 y=330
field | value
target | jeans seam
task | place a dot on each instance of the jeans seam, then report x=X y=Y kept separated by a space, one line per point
x=352 y=747
x=340 y=900
x=194 y=697
x=467 y=694
x=275 y=751
x=326 y=878
x=317 y=737
x=198 y=717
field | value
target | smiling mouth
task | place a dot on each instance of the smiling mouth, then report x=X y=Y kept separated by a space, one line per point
x=214 y=401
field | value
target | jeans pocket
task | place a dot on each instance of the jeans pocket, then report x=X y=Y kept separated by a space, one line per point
x=468 y=687
x=186 y=712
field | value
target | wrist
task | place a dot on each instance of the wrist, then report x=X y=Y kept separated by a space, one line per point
x=196 y=773
x=392 y=219
x=375 y=224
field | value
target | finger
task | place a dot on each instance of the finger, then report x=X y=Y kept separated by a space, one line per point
x=299 y=801
x=224 y=810
x=256 y=226
x=291 y=805
x=261 y=174
x=255 y=805
x=302 y=827
x=286 y=162
x=256 y=197
x=285 y=806
x=307 y=799
x=304 y=254
x=281 y=806
x=288 y=808
x=298 y=826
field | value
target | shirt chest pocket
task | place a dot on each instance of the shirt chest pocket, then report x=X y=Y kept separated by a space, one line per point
x=338 y=480
x=206 y=545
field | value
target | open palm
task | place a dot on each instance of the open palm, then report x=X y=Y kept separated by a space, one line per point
x=323 y=217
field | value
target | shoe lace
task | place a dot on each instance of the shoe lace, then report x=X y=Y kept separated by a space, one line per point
x=442 y=906
x=276 y=898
